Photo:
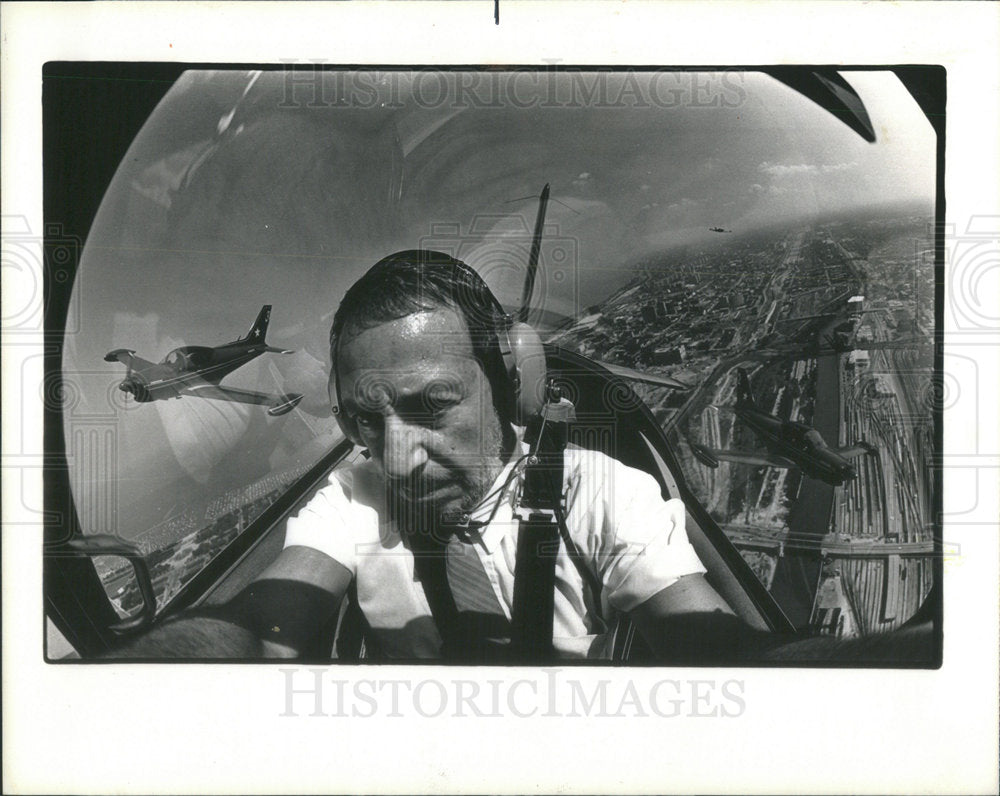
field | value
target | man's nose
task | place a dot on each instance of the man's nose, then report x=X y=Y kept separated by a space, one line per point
x=403 y=451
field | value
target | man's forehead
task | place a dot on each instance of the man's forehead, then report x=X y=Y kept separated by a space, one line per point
x=442 y=319
x=420 y=342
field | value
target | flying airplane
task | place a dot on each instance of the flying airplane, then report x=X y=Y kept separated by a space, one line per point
x=791 y=444
x=839 y=344
x=718 y=229
x=197 y=370
x=840 y=337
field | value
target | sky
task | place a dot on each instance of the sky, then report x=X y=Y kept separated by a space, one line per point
x=244 y=190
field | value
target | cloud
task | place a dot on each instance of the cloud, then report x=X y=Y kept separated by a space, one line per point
x=780 y=170
x=829 y=169
x=683 y=203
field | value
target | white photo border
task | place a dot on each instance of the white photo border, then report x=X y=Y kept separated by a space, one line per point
x=219 y=728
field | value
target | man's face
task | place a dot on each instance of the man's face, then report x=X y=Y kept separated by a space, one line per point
x=424 y=408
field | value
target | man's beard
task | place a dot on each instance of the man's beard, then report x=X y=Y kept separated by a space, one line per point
x=476 y=482
x=416 y=505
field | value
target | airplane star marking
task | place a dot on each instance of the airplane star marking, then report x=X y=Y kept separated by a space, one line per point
x=197 y=370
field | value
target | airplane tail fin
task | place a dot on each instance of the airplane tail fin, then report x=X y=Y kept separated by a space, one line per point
x=744 y=395
x=259 y=329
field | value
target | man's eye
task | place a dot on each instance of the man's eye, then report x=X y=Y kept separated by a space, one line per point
x=441 y=396
x=425 y=417
x=438 y=415
x=368 y=421
x=440 y=408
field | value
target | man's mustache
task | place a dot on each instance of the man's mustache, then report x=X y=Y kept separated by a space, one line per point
x=415 y=486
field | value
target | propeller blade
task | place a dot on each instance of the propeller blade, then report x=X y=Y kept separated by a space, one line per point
x=536 y=246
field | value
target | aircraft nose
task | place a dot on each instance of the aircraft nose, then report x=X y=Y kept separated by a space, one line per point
x=134 y=387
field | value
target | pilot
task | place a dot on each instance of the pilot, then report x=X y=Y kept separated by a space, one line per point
x=419 y=381
x=423 y=534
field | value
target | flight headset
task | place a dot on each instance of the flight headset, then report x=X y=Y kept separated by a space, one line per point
x=516 y=345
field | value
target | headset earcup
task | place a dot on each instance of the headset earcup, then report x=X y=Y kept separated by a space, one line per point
x=527 y=371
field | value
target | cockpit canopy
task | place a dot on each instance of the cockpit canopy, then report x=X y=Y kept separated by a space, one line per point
x=801 y=434
x=814 y=437
x=189 y=357
x=247 y=188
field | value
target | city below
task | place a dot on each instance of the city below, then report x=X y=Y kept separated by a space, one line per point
x=834 y=323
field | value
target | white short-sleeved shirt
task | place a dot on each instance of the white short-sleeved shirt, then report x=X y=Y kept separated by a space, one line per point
x=625 y=532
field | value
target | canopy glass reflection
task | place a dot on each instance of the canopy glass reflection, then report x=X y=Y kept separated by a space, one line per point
x=698 y=224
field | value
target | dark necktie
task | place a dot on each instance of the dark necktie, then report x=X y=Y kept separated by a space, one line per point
x=470 y=585
x=466 y=610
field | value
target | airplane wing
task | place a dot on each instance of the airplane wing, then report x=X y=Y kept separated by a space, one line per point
x=852 y=451
x=647 y=378
x=277 y=404
x=712 y=456
x=128 y=358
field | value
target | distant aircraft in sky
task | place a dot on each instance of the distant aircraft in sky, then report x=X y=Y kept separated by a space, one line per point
x=197 y=370
x=791 y=444
x=718 y=229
